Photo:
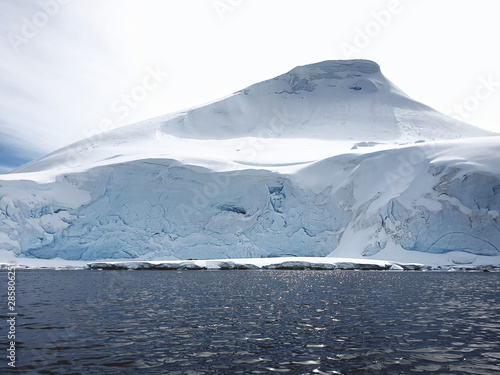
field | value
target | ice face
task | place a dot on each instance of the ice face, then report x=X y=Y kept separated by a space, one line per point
x=180 y=211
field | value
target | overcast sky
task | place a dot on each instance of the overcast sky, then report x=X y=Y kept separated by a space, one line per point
x=69 y=68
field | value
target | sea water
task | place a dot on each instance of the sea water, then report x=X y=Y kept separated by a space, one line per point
x=255 y=322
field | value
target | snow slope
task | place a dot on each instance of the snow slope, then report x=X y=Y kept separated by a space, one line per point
x=319 y=161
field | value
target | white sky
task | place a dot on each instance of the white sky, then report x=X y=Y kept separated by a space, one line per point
x=61 y=79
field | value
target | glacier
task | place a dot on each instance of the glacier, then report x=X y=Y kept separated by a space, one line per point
x=328 y=160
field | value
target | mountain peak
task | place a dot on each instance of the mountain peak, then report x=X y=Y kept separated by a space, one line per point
x=327 y=74
x=334 y=100
x=335 y=69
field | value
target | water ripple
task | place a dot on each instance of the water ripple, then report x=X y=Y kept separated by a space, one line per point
x=258 y=322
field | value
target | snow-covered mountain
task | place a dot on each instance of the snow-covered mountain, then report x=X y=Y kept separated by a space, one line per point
x=327 y=159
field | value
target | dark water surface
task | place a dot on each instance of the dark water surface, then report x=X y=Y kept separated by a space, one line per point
x=256 y=322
